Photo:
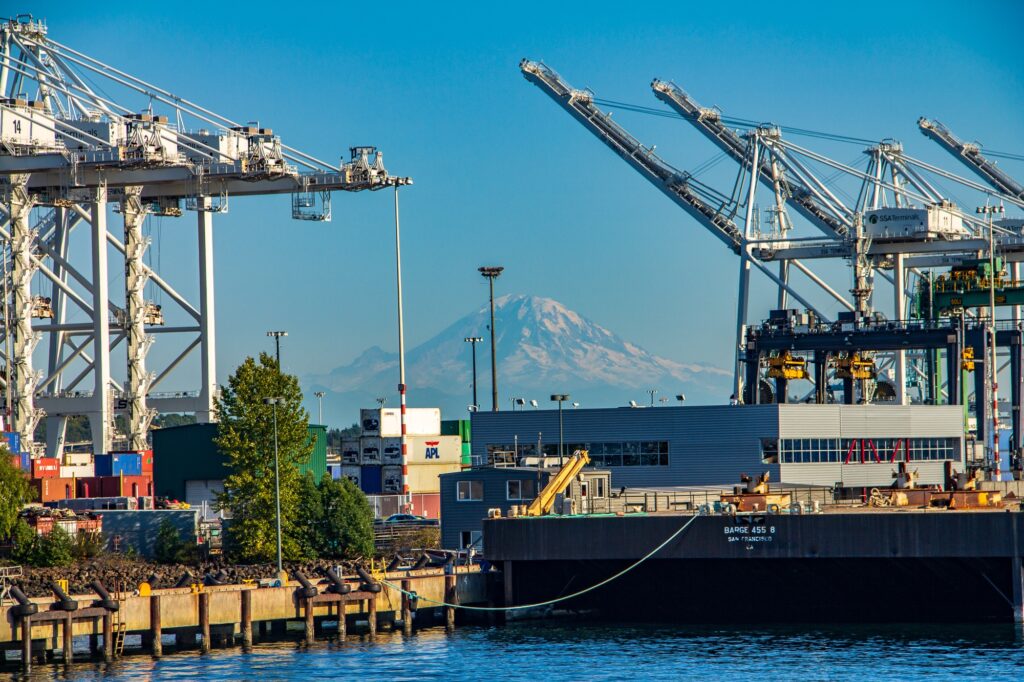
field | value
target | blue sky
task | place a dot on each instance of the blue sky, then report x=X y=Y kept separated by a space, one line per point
x=502 y=175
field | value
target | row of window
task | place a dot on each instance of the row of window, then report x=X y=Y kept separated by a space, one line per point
x=856 y=450
x=602 y=453
x=521 y=490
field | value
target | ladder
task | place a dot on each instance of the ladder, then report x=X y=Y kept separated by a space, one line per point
x=120 y=626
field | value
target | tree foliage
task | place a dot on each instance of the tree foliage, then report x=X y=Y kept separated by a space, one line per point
x=15 y=492
x=168 y=548
x=245 y=435
x=56 y=548
x=347 y=525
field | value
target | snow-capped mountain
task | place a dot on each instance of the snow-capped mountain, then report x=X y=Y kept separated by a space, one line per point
x=542 y=347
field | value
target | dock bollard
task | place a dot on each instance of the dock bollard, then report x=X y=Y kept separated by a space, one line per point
x=308 y=589
x=105 y=601
x=420 y=563
x=24 y=607
x=368 y=584
x=337 y=585
x=64 y=602
x=185 y=580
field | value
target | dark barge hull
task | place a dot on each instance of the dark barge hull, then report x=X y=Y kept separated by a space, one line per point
x=824 y=568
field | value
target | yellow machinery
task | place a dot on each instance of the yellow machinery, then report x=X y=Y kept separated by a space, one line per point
x=853 y=366
x=785 y=366
x=558 y=483
x=967 y=359
x=756 y=495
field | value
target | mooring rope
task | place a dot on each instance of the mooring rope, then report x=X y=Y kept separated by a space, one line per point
x=413 y=595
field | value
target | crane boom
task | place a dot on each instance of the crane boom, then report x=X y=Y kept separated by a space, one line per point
x=558 y=483
x=679 y=186
x=970 y=155
x=709 y=122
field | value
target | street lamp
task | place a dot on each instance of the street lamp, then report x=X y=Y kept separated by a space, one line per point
x=474 y=340
x=492 y=272
x=560 y=398
x=276 y=335
x=320 y=405
x=521 y=402
x=277 y=478
x=680 y=397
x=652 y=391
x=381 y=401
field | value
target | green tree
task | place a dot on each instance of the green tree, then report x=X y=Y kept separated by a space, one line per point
x=245 y=435
x=56 y=548
x=24 y=540
x=310 y=517
x=15 y=492
x=169 y=548
x=347 y=520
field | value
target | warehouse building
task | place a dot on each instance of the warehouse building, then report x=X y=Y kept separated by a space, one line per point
x=850 y=445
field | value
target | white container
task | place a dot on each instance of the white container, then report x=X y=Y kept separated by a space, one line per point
x=350 y=453
x=231 y=145
x=896 y=224
x=391 y=450
x=434 y=450
x=78 y=471
x=370 y=450
x=111 y=132
x=352 y=473
x=425 y=478
x=78 y=458
x=419 y=421
x=392 y=479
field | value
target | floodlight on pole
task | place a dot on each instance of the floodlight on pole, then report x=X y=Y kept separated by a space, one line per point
x=560 y=398
x=492 y=272
x=320 y=405
x=474 y=340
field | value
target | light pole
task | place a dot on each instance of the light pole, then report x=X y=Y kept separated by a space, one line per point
x=992 y=369
x=652 y=391
x=320 y=405
x=560 y=398
x=474 y=340
x=277 y=353
x=492 y=273
x=277 y=478
x=401 y=355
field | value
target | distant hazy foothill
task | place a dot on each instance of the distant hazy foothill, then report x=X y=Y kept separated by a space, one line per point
x=542 y=347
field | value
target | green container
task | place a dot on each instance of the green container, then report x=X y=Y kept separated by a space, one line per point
x=317 y=463
x=451 y=427
x=467 y=456
x=464 y=430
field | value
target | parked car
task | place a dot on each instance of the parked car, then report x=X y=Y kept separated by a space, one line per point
x=408 y=520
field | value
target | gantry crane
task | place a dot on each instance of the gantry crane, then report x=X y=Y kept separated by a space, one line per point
x=970 y=155
x=70 y=152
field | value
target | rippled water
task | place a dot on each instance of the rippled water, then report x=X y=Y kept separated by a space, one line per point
x=581 y=650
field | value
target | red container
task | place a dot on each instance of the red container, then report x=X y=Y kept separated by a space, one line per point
x=16 y=462
x=89 y=487
x=125 y=486
x=147 y=462
x=53 y=489
x=46 y=467
x=426 y=504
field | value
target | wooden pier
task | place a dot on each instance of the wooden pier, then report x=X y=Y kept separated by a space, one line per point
x=206 y=617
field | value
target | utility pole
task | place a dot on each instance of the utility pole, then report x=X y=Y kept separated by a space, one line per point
x=992 y=370
x=320 y=405
x=491 y=273
x=401 y=355
x=474 y=340
x=277 y=354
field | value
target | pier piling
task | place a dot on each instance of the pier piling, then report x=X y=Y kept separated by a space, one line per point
x=309 y=621
x=69 y=631
x=204 y=620
x=108 y=637
x=246 y=617
x=449 y=597
x=26 y=642
x=155 y=629
x=406 y=609
x=372 y=611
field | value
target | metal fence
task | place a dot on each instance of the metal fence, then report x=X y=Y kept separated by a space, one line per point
x=688 y=501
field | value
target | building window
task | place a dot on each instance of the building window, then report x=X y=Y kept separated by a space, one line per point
x=470 y=538
x=599 y=487
x=867 y=450
x=470 y=491
x=520 y=490
x=602 y=453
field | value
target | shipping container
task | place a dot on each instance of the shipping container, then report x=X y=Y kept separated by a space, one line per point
x=456 y=427
x=87 y=503
x=352 y=473
x=391 y=477
x=370 y=450
x=467 y=454
x=16 y=461
x=434 y=449
x=26 y=462
x=145 y=458
x=13 y=439
x=423 y=478
x=46 y=467
x=78 y=471
x=335 y=471
x=117 y=464
x=391 y=450
x=128 y=486
x=419 y=421
x=426 y=504
x=51 y=489
x=317 y=462
x=88 y=487
x=350 y=451
x=370 y=479
x=77 y=458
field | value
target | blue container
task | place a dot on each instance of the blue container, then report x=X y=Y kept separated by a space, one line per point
x=335 y=471
x=13 y=439
x=122 y=463
x=371 y=479
x=26 y=461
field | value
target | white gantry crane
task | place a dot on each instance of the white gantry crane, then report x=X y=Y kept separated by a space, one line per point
x=853 y=230
x=70 y=153
x=970 y=155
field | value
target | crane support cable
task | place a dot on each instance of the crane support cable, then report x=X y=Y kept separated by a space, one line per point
x=549 y=602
